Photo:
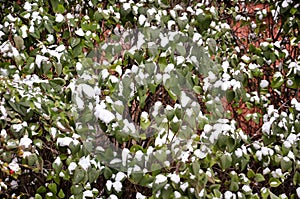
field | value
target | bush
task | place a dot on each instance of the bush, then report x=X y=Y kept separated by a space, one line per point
x=149 y=99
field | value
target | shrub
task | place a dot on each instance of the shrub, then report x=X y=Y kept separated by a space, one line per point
x=149 y=99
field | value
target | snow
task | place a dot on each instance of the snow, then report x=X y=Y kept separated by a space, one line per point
x=246 y=188
x=175 y=119
x=184 y=186
x=2 y=184
x=184 y=99
x=253 y=66
x=145 y=116
x=70 y=16
x=285 y=3
x=79 y=32
x=1 y=34
x=173 y=14
x=113 y=79
x=50 y=38
x=17 y=127
x=14 y=184
x=174 y=177
x=125 y=154
x=160 y=179
x=140 y=196
x=151 y=11
x=180 y=60
x=264 y=83
x=78 y=66
x=4 y=113
x=112 y=196
x=3 y=133
x=286 y=159
x=103 y=114
x=59 y=18
x=57 y=161
x=85 y=162
x=109 y=185
x=266 y=127
x=24 y=30
x=117 y=186
x=64 y=141
x=72 y=167
x=142 y=19
x=245 y=58
x=170 y=24
x=199 y=154
x=296 y=104
x=177 y=194
x=60 y=48
x=258 y=154
x=39 y=59
x=14 y=165
x=27 y=6
x=87 y=89
x=228 y=195
x=88 y=193
x=298 y=192
x=25 y=141
x=238 y=152
x=115 y=160
x=169 y=68
x=292 y=138
x=11 y=18
x=126 y=6
x=120 y=176
x=104 y=73
x=139 y=155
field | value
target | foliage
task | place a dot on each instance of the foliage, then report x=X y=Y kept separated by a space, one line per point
x=205 y=105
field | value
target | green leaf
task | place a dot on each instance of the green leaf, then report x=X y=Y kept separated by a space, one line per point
x=226 y=161
x=234 y=186
x=203 y=22
x=54 y=4
x=74 y=41
x=93 y=174
x=273 y=196
x=78 y=175
x=230 y=95
x=107 y=173
x=265 y=193
x=293 y=10
x=53 y=188
x=286 y=165
x=38 y=196
x=181 y=49
x=296 y=178
x=274 y=182
x=19 y=42
x=60 y=8
x=57 y=81
x=76 y=189
x=277 y=80
x=41 y=189
x=212 y=45
x=32 y=159
x=250 y=173
x=74 y=148
x=136 y=177
x=259 y=177
x=197 y=89
x=166 y=193
x=57 y=168
x=61 y=194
